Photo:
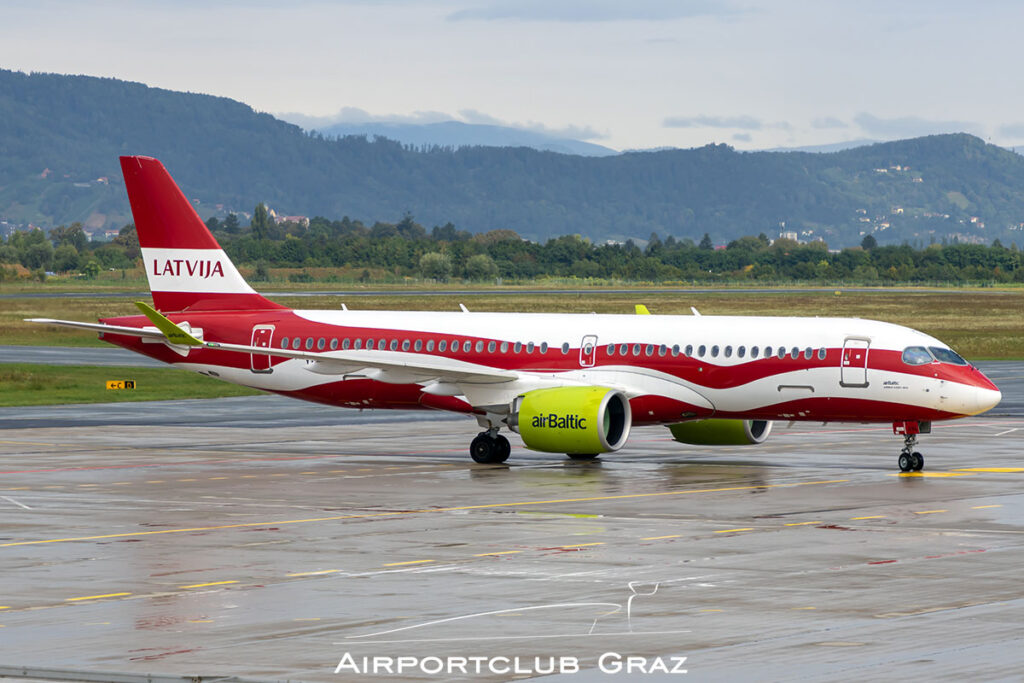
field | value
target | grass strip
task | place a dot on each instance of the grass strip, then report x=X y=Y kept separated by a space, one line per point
x=27 y=384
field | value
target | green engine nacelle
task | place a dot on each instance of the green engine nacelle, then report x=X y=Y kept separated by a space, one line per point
x=574 y=420
x=721 y=432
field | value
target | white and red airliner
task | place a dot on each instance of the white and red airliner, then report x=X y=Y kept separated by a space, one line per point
x=572 y=384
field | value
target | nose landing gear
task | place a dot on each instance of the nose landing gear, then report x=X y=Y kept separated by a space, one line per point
x=910 y=460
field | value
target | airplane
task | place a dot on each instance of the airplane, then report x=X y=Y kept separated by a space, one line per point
x=566 y=383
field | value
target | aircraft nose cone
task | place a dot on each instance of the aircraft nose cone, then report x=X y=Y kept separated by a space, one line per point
x=986 y=399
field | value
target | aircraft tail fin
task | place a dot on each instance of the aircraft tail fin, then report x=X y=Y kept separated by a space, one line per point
x=186 y=268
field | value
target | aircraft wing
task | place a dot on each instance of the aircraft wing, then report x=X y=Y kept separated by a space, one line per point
x=397 y=364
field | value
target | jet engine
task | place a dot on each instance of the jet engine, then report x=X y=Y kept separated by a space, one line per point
x=714 y=432
x=573 y=420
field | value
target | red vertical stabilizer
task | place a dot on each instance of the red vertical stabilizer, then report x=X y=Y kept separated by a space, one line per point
x=186 y=268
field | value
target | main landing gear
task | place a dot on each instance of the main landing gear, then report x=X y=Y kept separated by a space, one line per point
x=910 y=460
x=490 y=448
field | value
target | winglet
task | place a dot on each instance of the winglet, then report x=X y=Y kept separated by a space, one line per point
x=642 y=310
x=693 y=309
x=174 y=333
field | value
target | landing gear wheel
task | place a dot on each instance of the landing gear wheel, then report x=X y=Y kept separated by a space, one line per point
x=504 y=448
x=583 y=456
x=918 y=461
x=489 y=450
x=906 y=462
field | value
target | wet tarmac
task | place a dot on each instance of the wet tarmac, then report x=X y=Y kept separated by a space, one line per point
x=212 y=548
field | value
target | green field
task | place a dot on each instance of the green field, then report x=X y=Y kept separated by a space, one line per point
x=31 y=385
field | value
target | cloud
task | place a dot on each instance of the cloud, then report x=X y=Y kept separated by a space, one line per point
x=741 y=122
x=829 y=122
x=1012 y=130
x=912 y=126
x=592 y=10
x=471 y=116
x=742 y=137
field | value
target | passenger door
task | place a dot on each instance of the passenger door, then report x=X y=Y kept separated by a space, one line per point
x=588 y=351
x=854 y=369
x=262 y=336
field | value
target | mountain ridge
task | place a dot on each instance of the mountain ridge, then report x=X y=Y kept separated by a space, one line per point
x=60 y=137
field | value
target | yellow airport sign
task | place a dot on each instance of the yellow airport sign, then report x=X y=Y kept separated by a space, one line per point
x=120 y=384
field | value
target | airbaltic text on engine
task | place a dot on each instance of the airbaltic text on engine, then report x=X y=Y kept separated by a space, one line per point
x=555 y=422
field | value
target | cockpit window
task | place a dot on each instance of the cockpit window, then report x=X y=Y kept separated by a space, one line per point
x=947 y=355
x=916 y=355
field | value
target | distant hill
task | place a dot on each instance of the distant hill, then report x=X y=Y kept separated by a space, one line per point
x=60 y=137
x=458 y=134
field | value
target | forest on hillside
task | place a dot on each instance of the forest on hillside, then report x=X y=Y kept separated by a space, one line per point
x=60 y=137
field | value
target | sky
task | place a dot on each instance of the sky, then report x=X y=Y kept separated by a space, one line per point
x=627 y=74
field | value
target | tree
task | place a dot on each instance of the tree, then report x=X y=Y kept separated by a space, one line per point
x=481 y=267
x=436 y=266
x=260 y=224
x=213 y=223
x=706 y=243
x=869 y=242
x=231 y=225
x=65 y=258
x=91 y=269
x=38 y=256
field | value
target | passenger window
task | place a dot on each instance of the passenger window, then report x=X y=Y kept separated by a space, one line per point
x=491 y=346
x=754 y=351
x=689 y=349
x=479 y=347
x=701 y=350
x=742 y=351
x=808 y=352
x=418 y=346
x=504 y=347
x=675 y=350
x=309 y=343
x=947 y=355
x=358 y=344
x=794 y=353
x=405 y=344
x=821 y=353
x=916 y=355
x=334 y=344
x=662 y=350
x=649 y=350
x=782 y=352
x=767 y=352
x=345 y=344
x=369 y=343
x=382 y=344
x=394 y=344
x=611 y=349
x=321 y=343
x=442 y=345
x=714 y=351
x=623 y=349
x=284 y=342
x=517 y=347
x=543 y=347
x=728 y=352
x=565 y=348
x=636 y=349
x=529 y=347
x=430 y=346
